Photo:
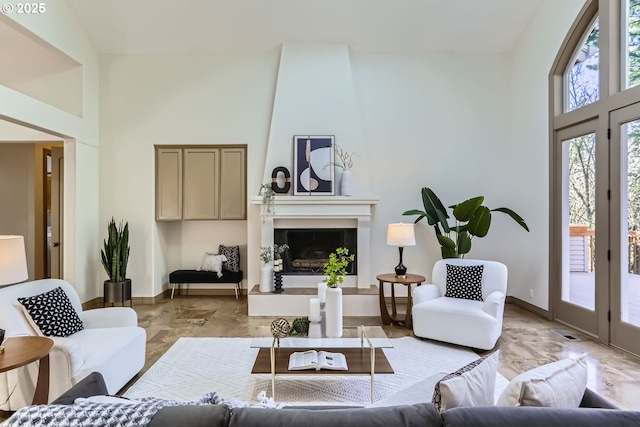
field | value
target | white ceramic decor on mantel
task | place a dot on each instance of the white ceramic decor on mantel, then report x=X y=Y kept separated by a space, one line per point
x=345 y=183
x=333 y=312
x=266 y=278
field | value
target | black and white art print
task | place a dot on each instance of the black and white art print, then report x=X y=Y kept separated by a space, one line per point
x=313 y=165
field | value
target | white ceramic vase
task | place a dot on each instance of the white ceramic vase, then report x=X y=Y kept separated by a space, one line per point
x=333 y=312
x=345 y=183
x=266 y=278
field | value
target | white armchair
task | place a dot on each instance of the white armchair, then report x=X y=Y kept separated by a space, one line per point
x=110 y=343
x=471 y=323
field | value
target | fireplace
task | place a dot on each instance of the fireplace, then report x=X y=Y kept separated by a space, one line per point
x=329 y=213
x=309 y=248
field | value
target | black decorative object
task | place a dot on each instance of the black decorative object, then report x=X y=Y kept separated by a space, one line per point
x=287 y=180
x=401 y=269
x=277 y=280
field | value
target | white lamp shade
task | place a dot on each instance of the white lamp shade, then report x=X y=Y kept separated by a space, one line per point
x=400 y=235
x=13 y=261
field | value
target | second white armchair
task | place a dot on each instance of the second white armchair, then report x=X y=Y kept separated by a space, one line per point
x=475 y=323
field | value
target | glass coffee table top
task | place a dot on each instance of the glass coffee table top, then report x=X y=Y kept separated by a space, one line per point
x=352 y=337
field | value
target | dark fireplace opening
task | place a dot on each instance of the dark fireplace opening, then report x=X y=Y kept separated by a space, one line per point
x=309 y=248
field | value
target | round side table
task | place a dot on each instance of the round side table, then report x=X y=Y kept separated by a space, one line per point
x=391 y=278
x=20 y=351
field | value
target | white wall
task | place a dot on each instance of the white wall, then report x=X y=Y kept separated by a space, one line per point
x=464 y=125
x=17 y=196
x=177 y=99
x=529 y=135
x=60 y=29
x=434 y=120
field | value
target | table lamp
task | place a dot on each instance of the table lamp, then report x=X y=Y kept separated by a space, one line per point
x=13 y=261
x=13 y=265
x=401 y=235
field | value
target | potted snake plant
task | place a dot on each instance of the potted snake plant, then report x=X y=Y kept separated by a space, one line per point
x=115 y=257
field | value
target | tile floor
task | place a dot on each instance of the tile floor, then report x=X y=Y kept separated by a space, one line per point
x=527 y=340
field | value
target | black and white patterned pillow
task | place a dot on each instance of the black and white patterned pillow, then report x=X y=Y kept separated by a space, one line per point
x=464 y=281
x=233 y=257
x=53 y=313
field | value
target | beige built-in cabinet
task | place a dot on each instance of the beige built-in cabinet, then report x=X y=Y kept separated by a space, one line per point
x=201 y=182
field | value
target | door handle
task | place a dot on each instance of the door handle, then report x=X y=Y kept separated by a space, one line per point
x=55 y=244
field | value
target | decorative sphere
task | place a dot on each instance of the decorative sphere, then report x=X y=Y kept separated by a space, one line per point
x=280 y=328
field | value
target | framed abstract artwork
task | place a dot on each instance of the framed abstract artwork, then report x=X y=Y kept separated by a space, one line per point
x=313 y=170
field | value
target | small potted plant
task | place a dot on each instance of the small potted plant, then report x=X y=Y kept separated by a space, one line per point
x=334 y=271
x=268 y=254
x=266 y=271
x=115 y=257
x=336 y=268
x=268 y=195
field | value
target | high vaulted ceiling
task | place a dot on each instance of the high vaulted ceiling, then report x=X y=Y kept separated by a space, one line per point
x=206 y=26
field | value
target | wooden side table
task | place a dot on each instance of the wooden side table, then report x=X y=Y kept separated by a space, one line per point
x=393 y=279
x=20 y=351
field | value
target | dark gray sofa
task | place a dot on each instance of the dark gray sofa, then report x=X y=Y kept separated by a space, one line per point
x=594 y=411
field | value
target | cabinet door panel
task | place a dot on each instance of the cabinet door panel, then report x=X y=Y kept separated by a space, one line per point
x=201 y=183
x=233 y=172
x=168 y=184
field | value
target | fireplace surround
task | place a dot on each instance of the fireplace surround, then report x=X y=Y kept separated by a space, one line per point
x=324 y=212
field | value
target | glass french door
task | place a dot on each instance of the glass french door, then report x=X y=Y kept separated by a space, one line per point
x=577 y=217
x=625 y=228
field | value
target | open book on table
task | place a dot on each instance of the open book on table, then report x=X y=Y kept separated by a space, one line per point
x=317 y=360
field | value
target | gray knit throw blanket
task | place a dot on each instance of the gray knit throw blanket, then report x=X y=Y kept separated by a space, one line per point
x=98 y=414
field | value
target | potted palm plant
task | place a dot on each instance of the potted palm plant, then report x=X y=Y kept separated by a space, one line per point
x=473 y=219
x=334 y=271
x=115 y=257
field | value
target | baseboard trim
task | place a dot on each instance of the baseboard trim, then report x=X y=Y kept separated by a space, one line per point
x=166 y=294
x=528 y=306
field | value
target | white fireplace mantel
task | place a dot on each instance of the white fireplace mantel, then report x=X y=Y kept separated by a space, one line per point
x=324 y=211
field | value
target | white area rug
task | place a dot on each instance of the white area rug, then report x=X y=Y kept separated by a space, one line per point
x=193 y=367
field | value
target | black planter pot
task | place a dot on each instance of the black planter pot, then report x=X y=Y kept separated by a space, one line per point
x=117 y=292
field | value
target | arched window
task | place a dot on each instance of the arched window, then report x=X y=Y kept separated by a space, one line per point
x=595 y=174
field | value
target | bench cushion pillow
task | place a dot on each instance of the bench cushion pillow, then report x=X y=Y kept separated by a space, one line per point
x=233 y=257
x=213 y=262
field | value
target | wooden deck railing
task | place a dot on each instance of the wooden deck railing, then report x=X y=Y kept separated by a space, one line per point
x=634 y=252
x=589 y=235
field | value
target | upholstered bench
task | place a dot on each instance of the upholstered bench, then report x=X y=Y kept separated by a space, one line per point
x=179 y=277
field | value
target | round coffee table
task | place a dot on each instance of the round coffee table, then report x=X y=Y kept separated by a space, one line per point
x=20 y=351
